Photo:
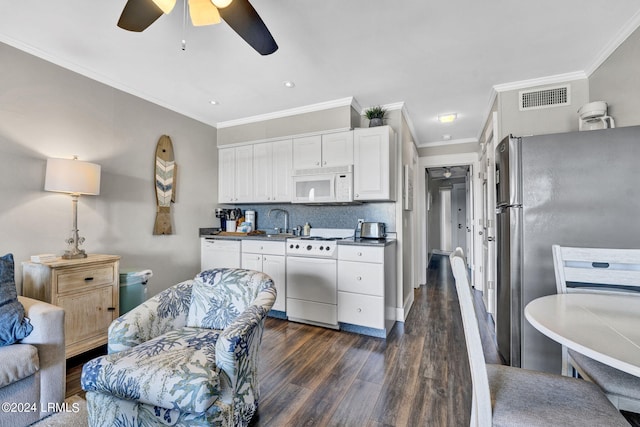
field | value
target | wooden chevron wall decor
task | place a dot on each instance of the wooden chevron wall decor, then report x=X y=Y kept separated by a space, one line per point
x=165 y=185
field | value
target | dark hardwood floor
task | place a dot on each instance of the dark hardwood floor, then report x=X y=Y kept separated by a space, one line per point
x=418 y=376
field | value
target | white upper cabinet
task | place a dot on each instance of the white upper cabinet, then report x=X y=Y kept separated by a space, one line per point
x=337 y=149
x=235 y=174
x=307 y=152
x=272 y=162
x=328 y=150
x=226 y=175
x=255 y=173
x=374 y=163
x=282 y=170
x=244 y=174
x=262 y=172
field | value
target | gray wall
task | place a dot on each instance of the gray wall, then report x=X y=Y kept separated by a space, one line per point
x=617 y=81
x=47 y=111
x=317 y=121
x=439 y=150
x=547 y=120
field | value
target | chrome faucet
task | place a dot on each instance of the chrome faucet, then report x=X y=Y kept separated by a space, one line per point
x=286 y=218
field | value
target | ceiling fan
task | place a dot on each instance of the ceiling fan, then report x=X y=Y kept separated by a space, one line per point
x=448 y=172
x=137 y=15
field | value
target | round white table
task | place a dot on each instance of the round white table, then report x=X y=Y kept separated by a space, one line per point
x=601 y=326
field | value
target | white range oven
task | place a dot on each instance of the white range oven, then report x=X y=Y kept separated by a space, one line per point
x=312 y=276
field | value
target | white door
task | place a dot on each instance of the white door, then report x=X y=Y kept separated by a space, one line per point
x=226 y=175
x=252 y=261
x=445 y=219
x=307 y=152
x=371 y=161
x=244 y=174
x=274 y=267
x=337 y=149
x=282 y=166
x=312 y=279
x=262 y=172
x=458 y=216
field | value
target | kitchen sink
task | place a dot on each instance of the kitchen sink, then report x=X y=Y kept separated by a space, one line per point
x=279 y=235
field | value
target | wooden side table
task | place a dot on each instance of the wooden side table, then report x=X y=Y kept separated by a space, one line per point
x=88 y=290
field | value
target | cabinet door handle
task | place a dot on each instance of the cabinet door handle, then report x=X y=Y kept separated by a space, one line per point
x=359 y=310
x=359 y=253
x=111 y=309
x=88 y=279
x=358 y=277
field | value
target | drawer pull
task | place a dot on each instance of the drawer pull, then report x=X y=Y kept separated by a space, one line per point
x=359 y=253
x=358 y=277
x=359 y=310
x=111 y=309
x=88 y=279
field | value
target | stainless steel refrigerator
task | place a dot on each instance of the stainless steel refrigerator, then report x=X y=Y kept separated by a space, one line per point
x=572 y=189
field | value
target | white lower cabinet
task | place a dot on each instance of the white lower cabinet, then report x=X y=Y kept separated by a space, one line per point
x=269 y=258
x=366 y=286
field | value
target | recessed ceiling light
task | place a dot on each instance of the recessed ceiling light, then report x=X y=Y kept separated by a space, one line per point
x=447 y=118
x=289 y=84
x=214 y=102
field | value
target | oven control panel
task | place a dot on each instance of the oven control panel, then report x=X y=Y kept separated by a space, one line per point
x=312 y=248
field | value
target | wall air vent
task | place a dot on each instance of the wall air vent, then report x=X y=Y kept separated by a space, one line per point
x=548 y=97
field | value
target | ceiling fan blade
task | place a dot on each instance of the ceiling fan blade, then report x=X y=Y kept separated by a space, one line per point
x=245 y=21
x=137 y=15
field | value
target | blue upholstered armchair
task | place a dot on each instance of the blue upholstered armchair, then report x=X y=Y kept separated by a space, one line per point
x=188 y=356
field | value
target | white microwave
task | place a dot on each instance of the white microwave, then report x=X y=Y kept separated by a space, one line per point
x=323 y=185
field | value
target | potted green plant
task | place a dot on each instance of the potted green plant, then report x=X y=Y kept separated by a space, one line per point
x=375 y=115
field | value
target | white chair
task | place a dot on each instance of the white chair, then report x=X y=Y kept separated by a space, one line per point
x=599 y=270
x=506 y=396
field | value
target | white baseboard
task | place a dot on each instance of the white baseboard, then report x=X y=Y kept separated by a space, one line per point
x=402 y=313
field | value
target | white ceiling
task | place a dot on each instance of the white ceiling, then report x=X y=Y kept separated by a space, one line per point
x=436 y=57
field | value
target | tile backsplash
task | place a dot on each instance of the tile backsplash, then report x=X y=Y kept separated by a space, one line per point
x=321 y=216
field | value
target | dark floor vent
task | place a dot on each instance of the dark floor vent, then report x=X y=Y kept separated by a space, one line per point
x=544 y=98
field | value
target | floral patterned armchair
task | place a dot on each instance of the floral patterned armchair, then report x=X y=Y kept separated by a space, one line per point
x=187 y=356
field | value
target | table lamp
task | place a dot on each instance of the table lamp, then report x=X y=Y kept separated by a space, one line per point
x=73 y=177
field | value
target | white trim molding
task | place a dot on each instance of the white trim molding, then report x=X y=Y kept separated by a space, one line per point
x=350 y=101
x=541 y=81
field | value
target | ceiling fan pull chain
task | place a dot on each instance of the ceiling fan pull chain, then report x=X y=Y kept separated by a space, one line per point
x=184 y=25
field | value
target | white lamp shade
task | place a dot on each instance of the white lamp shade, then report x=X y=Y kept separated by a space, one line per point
x=72 y=176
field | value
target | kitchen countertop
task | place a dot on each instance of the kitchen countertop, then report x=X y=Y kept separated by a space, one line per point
x=367 y=242
x=209 y=232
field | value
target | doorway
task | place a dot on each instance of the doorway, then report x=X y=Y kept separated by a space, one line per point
x=448 y=222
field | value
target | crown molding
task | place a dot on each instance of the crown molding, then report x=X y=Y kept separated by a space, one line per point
x=350 y=101
x=541 y=81
x=407 y=118
x=622 y=34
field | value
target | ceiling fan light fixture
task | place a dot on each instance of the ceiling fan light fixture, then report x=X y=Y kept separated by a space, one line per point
x=203 y=12
x=165 y=5
x=221 y=4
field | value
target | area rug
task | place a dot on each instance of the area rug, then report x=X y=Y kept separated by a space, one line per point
x=74 y=414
